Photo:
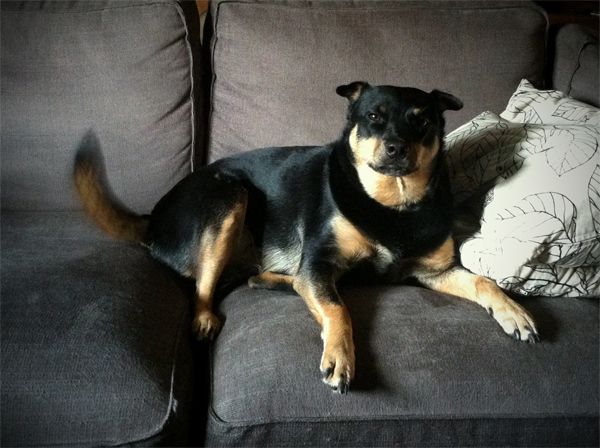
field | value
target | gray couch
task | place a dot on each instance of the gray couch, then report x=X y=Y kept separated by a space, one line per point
x=96 y=341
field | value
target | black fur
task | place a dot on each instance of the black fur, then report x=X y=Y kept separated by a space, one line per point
x=295 y=191
x=378 y=197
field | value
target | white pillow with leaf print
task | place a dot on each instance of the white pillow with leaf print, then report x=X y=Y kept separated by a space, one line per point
x=539 y=162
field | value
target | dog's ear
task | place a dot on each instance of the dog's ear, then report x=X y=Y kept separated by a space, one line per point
x=446 y=101
x=352 y=91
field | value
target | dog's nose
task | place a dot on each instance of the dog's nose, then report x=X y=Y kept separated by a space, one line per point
x=396 y=150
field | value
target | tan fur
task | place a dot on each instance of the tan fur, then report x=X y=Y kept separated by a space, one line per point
x=111 y=217
x=416 y=183
x=270 y=280
x=391 y=191
x=214 y=252
x=440 y=259
x=333 y=317
x=461 y=283
x=351 y=242
x=310 y=293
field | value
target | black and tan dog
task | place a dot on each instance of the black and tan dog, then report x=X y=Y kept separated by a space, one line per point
x=378 y=195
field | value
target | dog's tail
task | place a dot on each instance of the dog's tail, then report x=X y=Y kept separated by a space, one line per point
x=98 y=200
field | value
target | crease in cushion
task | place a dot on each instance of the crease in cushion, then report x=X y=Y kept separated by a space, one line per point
x=290 y=91
x=94 y=346
x=585 y=80
x=61 y=77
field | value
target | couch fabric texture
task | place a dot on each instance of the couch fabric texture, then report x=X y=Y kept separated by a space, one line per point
x=576 y=71
x=95 y=334
x=94 y=337
x=289 y=92
x=429 y=389
x=121 y=69
x=429 y=368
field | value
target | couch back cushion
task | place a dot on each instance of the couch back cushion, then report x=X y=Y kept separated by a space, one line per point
x=276 y=66
x=122 y=70
x=576 y=69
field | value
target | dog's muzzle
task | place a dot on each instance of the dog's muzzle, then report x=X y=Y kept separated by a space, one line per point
x=395 y=161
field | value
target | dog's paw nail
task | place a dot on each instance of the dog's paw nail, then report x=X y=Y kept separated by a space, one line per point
x=516 y=335
x=206 y=326
x=490 y=311
x=327 y=372
x=533 y=338
x=344 y=386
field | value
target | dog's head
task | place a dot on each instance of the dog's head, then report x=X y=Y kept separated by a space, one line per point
x=395 y=135
x=395 y=131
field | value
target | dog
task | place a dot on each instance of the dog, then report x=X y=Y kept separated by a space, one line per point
x=378 y=196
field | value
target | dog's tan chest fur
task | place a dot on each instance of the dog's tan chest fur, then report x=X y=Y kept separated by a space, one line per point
x=352 y=244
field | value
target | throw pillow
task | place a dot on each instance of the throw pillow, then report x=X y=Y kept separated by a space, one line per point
x=537 y=169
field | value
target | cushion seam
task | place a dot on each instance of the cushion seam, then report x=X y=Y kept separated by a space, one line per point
x=170 y=408
x=354 y=419
x=192 y=86
x=85 y=11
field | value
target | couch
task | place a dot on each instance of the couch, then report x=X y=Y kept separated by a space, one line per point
x=96 y=339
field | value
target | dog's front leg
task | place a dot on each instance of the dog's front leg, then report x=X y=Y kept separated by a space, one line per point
x=439 y=272
x=337 y=361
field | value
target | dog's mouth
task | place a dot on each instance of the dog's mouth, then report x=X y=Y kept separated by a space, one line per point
x=392 y=169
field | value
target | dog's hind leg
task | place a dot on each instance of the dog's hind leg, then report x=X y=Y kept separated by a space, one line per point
x=215 y=248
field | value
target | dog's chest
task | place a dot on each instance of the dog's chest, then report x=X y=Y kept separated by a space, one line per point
x=353 y=245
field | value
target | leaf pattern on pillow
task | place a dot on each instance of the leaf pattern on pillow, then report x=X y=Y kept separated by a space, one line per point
x=542 y=278
x=479 y=158
x=573 y=111
x=546 y=277
x=567 y=150
x=520 y=104
x=538 y=227
x=553 y=206
x=594 y=195
x=581 y=253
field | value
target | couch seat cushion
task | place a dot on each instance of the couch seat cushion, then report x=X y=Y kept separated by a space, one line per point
x=94 y=337
x=431 y=370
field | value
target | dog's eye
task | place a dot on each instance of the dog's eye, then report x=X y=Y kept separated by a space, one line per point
x=425 y=123
x=373 y=116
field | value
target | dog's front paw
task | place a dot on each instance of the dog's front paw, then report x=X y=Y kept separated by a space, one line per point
x=206 y=325
x=515 y=321
x=337 y=365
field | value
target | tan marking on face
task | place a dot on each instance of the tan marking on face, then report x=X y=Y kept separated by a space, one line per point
x=416 y=182
x=352 y=244
x=384 y=189
x=365 y=149
x=392 y=191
